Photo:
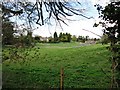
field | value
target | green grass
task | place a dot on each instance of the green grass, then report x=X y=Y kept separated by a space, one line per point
x=39 y=67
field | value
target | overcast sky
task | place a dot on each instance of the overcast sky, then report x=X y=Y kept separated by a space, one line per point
x=76 y=27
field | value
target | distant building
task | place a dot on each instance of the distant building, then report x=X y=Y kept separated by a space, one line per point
x=44 y=39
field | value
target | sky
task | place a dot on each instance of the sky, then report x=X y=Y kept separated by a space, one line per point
x=79 y=23
x=77 y=27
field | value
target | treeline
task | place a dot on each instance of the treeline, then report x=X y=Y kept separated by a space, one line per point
x=10 y=37
x=64 y=37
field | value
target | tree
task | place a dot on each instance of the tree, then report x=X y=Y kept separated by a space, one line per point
x=104 y=39
x=64 y=37
x=86 y=38
x=68 y=37
x=51 y=40
x=60 y=36
x=7 y=32
x=28 y=40
x=55 y=37
x=34 y=13
x=81 y=39
x=74 y=38
x=37 y=38
x=111 y=16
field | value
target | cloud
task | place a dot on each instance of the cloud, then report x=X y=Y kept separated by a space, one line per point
x=101 y=2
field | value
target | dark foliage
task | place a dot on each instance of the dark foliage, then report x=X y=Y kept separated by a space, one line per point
x=111 y=15
x=7 y=32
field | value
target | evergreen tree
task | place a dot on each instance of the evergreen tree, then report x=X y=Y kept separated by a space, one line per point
x=55 y=37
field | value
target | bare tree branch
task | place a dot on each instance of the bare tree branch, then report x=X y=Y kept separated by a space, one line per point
x=32 y=11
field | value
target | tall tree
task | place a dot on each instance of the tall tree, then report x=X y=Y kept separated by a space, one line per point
x=111 y=16
x=69 y=37
x=7 y=32
x=55 y=37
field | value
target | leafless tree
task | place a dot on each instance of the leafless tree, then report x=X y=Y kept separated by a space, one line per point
x=40 y=12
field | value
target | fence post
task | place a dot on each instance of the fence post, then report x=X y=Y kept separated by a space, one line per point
x=61 y=78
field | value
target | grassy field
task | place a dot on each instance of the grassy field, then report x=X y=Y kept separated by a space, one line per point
x=39 y=67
